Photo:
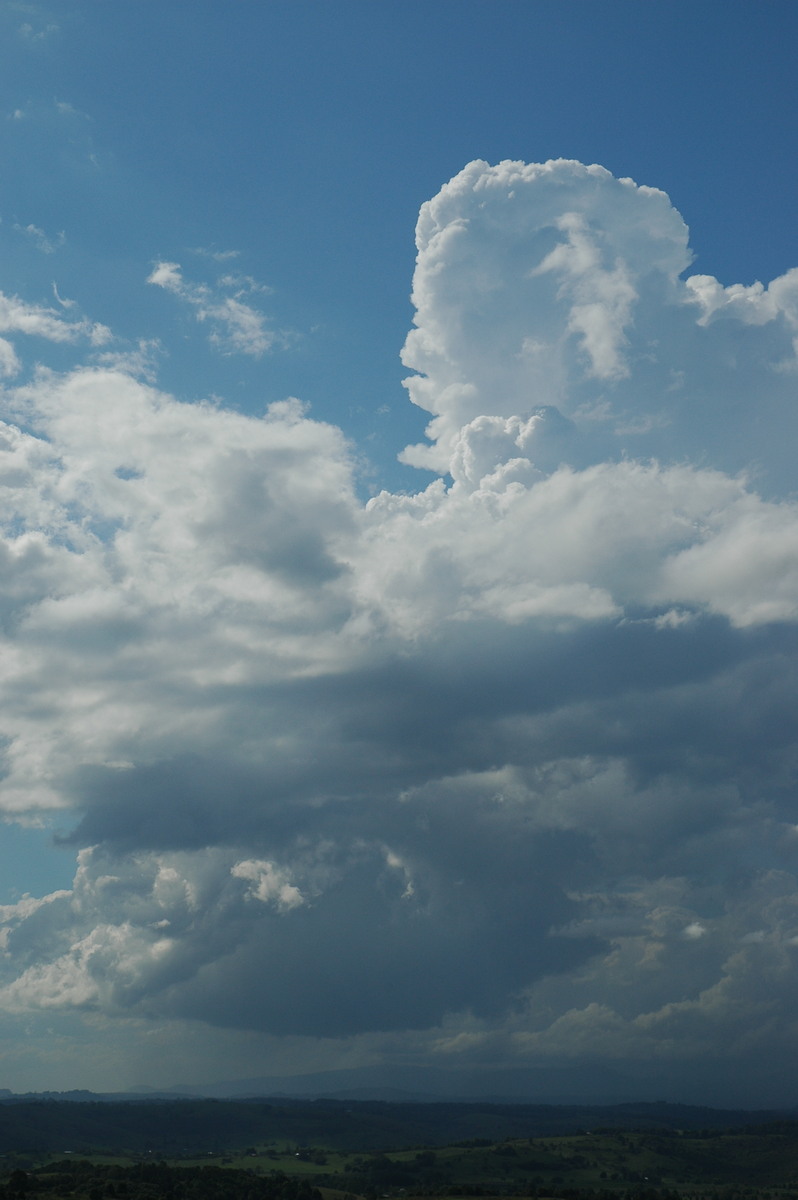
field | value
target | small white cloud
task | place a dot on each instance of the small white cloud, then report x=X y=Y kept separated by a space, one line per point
x=396 y=863
x=674 y=618
x=236 y=327
x=34 y=320
x=216 y=255
x=65 y=109
x=243 y=285
x=32 y=33
x=270 y=883
x=64 y=303
x=167 y=275
x=47 y=245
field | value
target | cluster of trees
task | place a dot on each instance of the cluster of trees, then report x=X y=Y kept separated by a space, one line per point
x=76 y=1179
x=85 y=1180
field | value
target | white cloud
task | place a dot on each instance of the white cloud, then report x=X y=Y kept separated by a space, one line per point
x=602 y=296
x=554 y=287
x=38 y=33
x=545 y=696
x=269 y=883
x=9 y=363
x=236 y=327
x=35 y=320
x=47 y=245
x=167 y=275
x=64 y=303
x=216 y=255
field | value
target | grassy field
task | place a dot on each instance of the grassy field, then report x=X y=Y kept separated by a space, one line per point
x=600 y=1160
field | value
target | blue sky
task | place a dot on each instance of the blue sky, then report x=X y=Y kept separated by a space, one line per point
x=306 y=136
x=303 y=691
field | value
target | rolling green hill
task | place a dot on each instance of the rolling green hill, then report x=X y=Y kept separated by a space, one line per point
x=325 y=1151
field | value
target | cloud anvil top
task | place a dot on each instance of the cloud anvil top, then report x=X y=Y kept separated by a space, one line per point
x=507 y=762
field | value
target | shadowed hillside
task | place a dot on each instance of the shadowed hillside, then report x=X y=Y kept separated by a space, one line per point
x=182 y=1127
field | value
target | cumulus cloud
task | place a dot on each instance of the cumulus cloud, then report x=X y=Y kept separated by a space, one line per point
x=269 y=883
x=507 y=763
x=555 y=287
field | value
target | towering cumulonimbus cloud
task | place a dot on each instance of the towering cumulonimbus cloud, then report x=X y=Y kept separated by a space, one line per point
x=507 y=763
x=554 y=289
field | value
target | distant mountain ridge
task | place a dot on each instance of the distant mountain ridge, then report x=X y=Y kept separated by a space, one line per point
x=420 y=1084
x=516 y=1085
x=425 y=1084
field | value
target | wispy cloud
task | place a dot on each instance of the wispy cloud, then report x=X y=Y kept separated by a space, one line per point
x=47 y=244
x=17 y=316
x=236 y=326
x=218 y=256
x=61 y=300
x=32 y=33
x=35 y=22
